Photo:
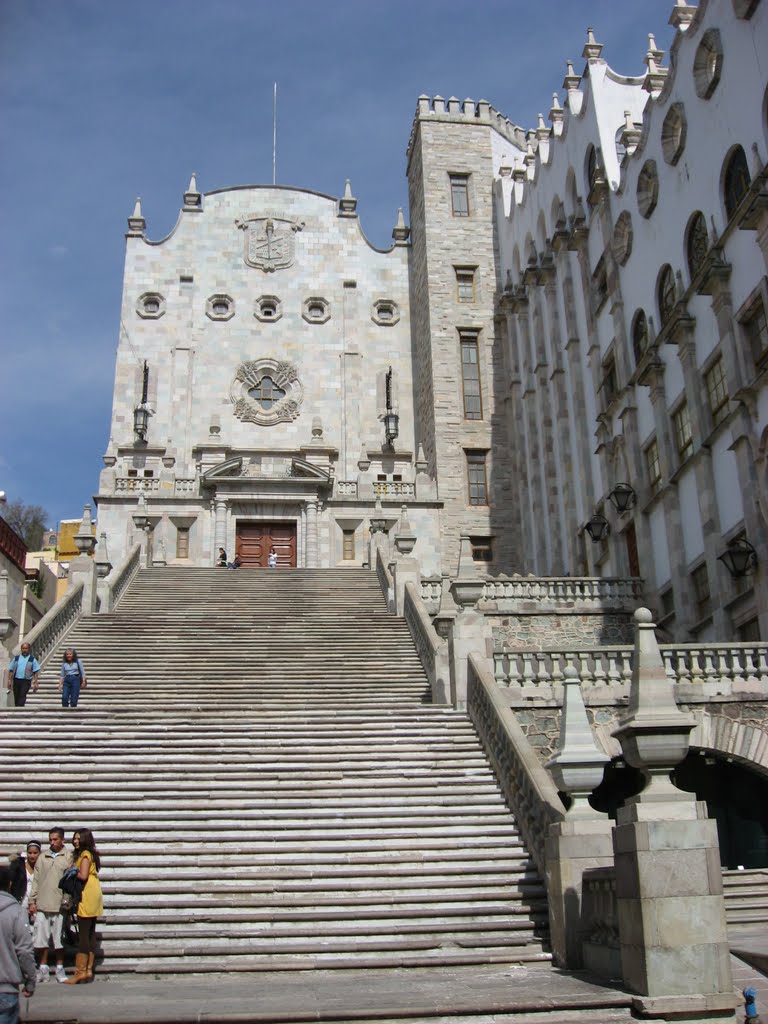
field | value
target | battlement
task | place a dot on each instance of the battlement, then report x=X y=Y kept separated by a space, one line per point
x=468 y=111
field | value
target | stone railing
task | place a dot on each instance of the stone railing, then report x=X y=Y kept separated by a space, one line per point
x=431 y=594
x=129 y=484
x=526 y=784
x=427 y=642
x=386 y=582
x=185 y=485
x=393 y=489
x=56 y=622
x=588 y=592
x=119 y=578
x=698 y=669
x=600 y=922
x=346 y=488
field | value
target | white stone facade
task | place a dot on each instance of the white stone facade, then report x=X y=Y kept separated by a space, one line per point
x=579 y=305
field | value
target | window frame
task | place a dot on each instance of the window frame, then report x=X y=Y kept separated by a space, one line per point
x=717 y=390
x=466 y=275
x=702 y=591
x=458 y=182
x=477 y=477
x=736 y=181
x=756 y=309
x=653 y=466
x=469 y=340
x=482 y=548
x=683 y=432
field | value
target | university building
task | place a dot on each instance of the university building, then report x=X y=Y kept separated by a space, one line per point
x=562 y=358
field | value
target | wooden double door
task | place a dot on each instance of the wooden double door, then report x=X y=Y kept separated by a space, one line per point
x=255 y=539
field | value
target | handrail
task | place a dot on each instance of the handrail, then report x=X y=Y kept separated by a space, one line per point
x=526 y=784
x=120 y=577
x=385 y=579
x=420 y=625
x=56 y=622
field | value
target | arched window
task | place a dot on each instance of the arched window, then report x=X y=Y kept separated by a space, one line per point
x=591 y=165
x=639 y=335
x=666 y=293
x=736 y=180
x=697 y=243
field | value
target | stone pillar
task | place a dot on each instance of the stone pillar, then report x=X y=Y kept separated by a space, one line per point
x=7 y=625
x=583 y=839
x=312 y=534
x=220 y=530
x=468 y=630
x=669 y=887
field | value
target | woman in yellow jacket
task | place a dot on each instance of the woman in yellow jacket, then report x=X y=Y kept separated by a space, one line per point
x=89 y=908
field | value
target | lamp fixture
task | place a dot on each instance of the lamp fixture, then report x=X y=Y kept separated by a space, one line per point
x=623 y=498
x=391 y=419
x=141 y=412
x=739 y=558
x=598 y=528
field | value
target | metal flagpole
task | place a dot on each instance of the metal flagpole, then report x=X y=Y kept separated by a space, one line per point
x=274 y=136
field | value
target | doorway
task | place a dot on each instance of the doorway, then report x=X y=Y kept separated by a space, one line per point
x=253 y=541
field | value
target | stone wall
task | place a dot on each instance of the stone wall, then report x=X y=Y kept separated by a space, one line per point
x=544 y=632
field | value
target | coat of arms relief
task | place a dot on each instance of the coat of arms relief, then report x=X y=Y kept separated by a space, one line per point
x=269 y=241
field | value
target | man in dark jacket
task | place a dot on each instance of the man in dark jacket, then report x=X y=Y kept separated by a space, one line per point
x=17 y=955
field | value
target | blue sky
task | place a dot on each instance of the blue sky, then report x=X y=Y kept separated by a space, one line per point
x=104 y=100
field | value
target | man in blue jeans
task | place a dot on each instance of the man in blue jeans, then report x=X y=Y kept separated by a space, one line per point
x=22 y=673
x=17 y=955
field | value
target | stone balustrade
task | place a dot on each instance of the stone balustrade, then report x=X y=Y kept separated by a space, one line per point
x=550 y=592
x=431 y=594
x=137 y=484
x=115 y=584
x=527 y=785
x=699 y=670
x=386 y=582
x=600 y=918
x=346 y=488
x=425 y=639
x=393 y=489
x=51 y=629
x=185 y=485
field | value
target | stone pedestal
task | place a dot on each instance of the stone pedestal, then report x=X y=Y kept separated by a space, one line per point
x=572 y=848
x=404 y=570
x=669 y=894
x=84 y=568
x=467 y=636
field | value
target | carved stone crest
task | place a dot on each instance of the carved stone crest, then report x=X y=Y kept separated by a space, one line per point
x=266 y=391
x=269 y=241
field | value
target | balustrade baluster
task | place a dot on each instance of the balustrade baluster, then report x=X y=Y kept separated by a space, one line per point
x=501 y=678
x=709 y=673
x=599 y=669
x=737 y=675
x=749 y=665
x=557 y=675
x=543 y=677
x=513 y=669
x=528 y=675
x=585 y=672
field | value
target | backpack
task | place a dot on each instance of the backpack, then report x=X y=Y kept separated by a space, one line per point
x=72 y=887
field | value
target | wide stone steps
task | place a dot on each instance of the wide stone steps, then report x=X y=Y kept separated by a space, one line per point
x=746 y=898
x=268 y=786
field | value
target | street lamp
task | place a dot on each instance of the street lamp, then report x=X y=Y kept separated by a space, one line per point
x=391 y=419
x=623 y=498
x=739 y=558
x=597 y=527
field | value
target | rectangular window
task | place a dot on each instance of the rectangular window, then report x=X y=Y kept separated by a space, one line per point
x=681 y=421
x=755 y=326
x=482 y=550
x=459 y=194
x=465 y=284
x=477 y=479
x=701 y=595
x=349 y=545
x=609 y=386
x=470 y=376
x=182 y=542
x=717 y=391
x=653 y=467
x=749 y=632
x=667 y=599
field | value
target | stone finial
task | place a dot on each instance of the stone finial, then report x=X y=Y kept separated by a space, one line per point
x=101 y=557
x=348 y=203
x=137 y=225
x=682 y=15
x=571 y=80
x=630 y=135
x=378 y=523
x=317 y=428
x=656 y=75
x=592 y=48
x=556 y=115
x=654 y=734
x=421 y=464
x=467 y=588
x=193 y=200
x=405 y=539
x=577 y=765
x=84 y=539
x=214 y=427
x=363 y=461
x=400 y=232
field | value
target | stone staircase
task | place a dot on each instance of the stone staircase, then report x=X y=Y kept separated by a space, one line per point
x=268 y=785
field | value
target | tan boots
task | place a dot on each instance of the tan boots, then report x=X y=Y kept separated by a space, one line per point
x=81 y=970
x=89 y=968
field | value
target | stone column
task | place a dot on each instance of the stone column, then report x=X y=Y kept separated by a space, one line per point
x=220 y=529
x=669 y=886
x=7 y=625
x=312 y=534
x=468 y=630
x=581 y=841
